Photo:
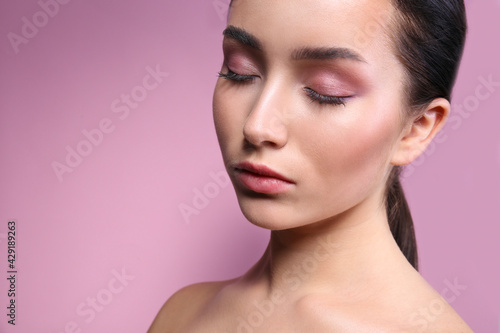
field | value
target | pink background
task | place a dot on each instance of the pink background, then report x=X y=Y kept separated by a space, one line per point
x=118 y=211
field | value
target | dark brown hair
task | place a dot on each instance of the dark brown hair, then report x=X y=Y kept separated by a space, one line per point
x=429 y=38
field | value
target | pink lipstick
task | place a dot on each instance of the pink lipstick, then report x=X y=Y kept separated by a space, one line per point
x=261 y=179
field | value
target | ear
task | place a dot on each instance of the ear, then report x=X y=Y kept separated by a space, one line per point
x=417 y=135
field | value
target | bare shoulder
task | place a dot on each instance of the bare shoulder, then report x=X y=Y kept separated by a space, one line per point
x=431 y=312
x=411 y=306
x=424 y=309
x=437 y=315
x=184 y=305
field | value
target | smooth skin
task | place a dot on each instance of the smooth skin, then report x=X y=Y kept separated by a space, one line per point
x=332 y=264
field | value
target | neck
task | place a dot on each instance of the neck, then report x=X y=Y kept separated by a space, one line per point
x=352 y=252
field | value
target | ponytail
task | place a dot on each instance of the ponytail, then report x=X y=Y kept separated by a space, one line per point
x=429 y=38
x=399 y=216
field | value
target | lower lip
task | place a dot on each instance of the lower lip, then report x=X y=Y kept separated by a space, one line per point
x=262 y=184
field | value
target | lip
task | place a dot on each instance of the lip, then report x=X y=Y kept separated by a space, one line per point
x=262 y=179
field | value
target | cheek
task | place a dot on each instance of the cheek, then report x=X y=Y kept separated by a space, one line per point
x=226 y=118
x=231 y=105
x=350 y=155
x=368 y=142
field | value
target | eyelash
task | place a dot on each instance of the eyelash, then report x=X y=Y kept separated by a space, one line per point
x=230 y=75
x=323 y=99
x=313 y=95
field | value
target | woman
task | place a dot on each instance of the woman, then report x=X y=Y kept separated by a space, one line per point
x=317 y=106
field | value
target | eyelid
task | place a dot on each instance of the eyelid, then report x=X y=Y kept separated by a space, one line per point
x=233 y=76
x=242 y=61
x=326 y=99
x=313 y=95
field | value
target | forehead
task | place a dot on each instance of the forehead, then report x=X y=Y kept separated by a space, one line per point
x=281 y=26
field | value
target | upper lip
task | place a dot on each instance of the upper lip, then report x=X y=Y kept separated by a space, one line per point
x=261 y=169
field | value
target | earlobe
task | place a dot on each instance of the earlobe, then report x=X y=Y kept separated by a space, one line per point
x=417 y=135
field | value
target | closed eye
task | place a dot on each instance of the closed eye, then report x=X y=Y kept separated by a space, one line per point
x=313 y=95
x=324 y=99
x=230 y=75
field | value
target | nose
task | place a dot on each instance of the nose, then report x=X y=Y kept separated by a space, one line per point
x=266 y=123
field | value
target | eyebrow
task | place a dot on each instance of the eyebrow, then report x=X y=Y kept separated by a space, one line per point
x=242 y=36
x=303 y=53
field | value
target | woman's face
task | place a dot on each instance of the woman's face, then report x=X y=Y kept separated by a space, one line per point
x=313 y=91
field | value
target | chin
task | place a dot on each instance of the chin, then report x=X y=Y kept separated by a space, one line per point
x=267 y=214
x=276 y=215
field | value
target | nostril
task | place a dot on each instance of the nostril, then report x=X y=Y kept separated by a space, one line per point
x=249 y=146
x=269 y=133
